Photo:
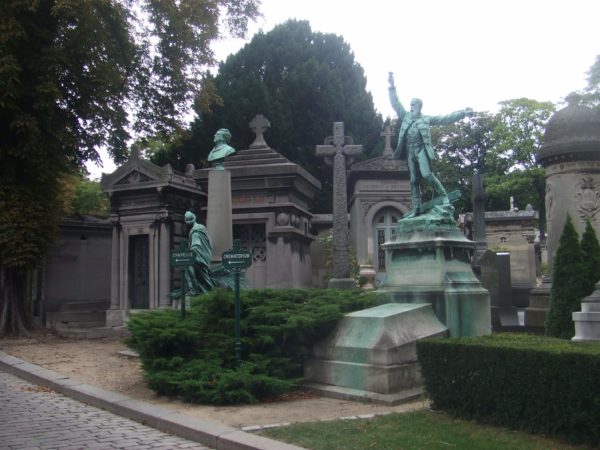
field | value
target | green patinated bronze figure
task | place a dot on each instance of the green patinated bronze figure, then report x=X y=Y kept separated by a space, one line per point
x=221 y=150
x=198 y=276
x=414 y=145
x=203 y=276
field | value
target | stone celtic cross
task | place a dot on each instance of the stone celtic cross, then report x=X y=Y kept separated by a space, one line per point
x=336 y=149
x=259 y=125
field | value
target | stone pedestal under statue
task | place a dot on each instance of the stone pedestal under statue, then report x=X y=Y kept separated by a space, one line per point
x=430 y=262
x=218 y=216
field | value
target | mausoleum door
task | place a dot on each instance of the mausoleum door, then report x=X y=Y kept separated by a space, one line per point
x=253 y=237
x=139 y=283
x=385 y=230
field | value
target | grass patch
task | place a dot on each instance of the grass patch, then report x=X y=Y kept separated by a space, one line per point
x=417 y=430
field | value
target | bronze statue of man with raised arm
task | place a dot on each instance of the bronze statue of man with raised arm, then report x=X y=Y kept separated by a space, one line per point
x=414 y=144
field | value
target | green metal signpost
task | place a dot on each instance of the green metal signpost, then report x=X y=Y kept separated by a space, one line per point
x=182 y=258
x=235 y=260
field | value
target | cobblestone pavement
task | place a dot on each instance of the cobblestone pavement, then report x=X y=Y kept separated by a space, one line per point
x=34 y=417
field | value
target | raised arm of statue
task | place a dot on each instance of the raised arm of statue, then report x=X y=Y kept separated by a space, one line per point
x=394 y=100
x=451 y=118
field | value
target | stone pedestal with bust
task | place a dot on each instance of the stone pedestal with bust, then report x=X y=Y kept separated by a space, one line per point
x=218 y=217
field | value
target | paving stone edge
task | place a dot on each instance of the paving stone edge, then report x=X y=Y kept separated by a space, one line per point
x=213 y=435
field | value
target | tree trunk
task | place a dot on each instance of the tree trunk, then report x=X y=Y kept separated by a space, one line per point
x=14 y=320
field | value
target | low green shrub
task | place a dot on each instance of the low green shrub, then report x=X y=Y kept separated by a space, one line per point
x=194 y=358
x=533 y=383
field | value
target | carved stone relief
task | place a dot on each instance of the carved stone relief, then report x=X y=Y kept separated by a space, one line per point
x=588 y=198
x=133 y=178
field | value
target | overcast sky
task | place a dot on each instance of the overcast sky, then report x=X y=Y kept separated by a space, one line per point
x=454 y=54
x=457 y=53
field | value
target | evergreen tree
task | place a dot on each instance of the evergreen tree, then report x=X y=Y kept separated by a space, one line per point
x=72 y=75
x=568 y=284
x=590 y=248
x=302 y=81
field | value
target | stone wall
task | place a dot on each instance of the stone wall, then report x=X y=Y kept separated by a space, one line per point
x=78 y=266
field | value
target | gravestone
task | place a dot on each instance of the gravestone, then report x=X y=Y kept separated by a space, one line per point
x=336 y=150
x=495 y=277
x=479 y=216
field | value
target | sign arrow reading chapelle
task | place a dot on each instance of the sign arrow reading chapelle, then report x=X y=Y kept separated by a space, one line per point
x=182 y=258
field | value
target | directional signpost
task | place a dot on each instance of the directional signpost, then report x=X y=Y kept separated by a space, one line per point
x=234 y=260
x=182 y=258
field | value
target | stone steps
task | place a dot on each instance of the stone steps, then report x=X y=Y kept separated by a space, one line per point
x=82 y=320
x=75 y=319
x=96 y=305
x=92 y=333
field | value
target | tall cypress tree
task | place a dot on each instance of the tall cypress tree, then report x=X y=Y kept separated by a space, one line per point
x=590 y=247
x=568 y=284
x=302 y=81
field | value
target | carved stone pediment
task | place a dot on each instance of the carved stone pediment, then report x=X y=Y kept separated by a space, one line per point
x=134 y=177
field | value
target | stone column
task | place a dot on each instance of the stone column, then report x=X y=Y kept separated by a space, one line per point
x=219 y=217
x=114 y=269
x=115 y=315
x=164 y=281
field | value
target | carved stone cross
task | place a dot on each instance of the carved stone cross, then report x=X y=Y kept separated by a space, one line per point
x=337 y=148
x=387 y=134
x=259 y=125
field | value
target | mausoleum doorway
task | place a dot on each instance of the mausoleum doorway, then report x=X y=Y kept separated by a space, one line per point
x=139 y=277
x=384 y=226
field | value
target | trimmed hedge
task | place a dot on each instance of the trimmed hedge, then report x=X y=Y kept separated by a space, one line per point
x=194 y=358
x=532 y=383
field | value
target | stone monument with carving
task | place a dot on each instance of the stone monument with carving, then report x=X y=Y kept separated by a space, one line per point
x=430 y=289
x=218 y=217
x=570 y=155
x=336 y=150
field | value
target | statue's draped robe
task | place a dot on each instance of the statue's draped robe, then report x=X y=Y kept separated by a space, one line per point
x=198 y=276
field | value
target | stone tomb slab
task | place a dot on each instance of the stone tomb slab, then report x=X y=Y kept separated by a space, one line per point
x=373 y=351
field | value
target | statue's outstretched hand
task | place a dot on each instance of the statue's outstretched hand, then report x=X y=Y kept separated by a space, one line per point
x=391 y=79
